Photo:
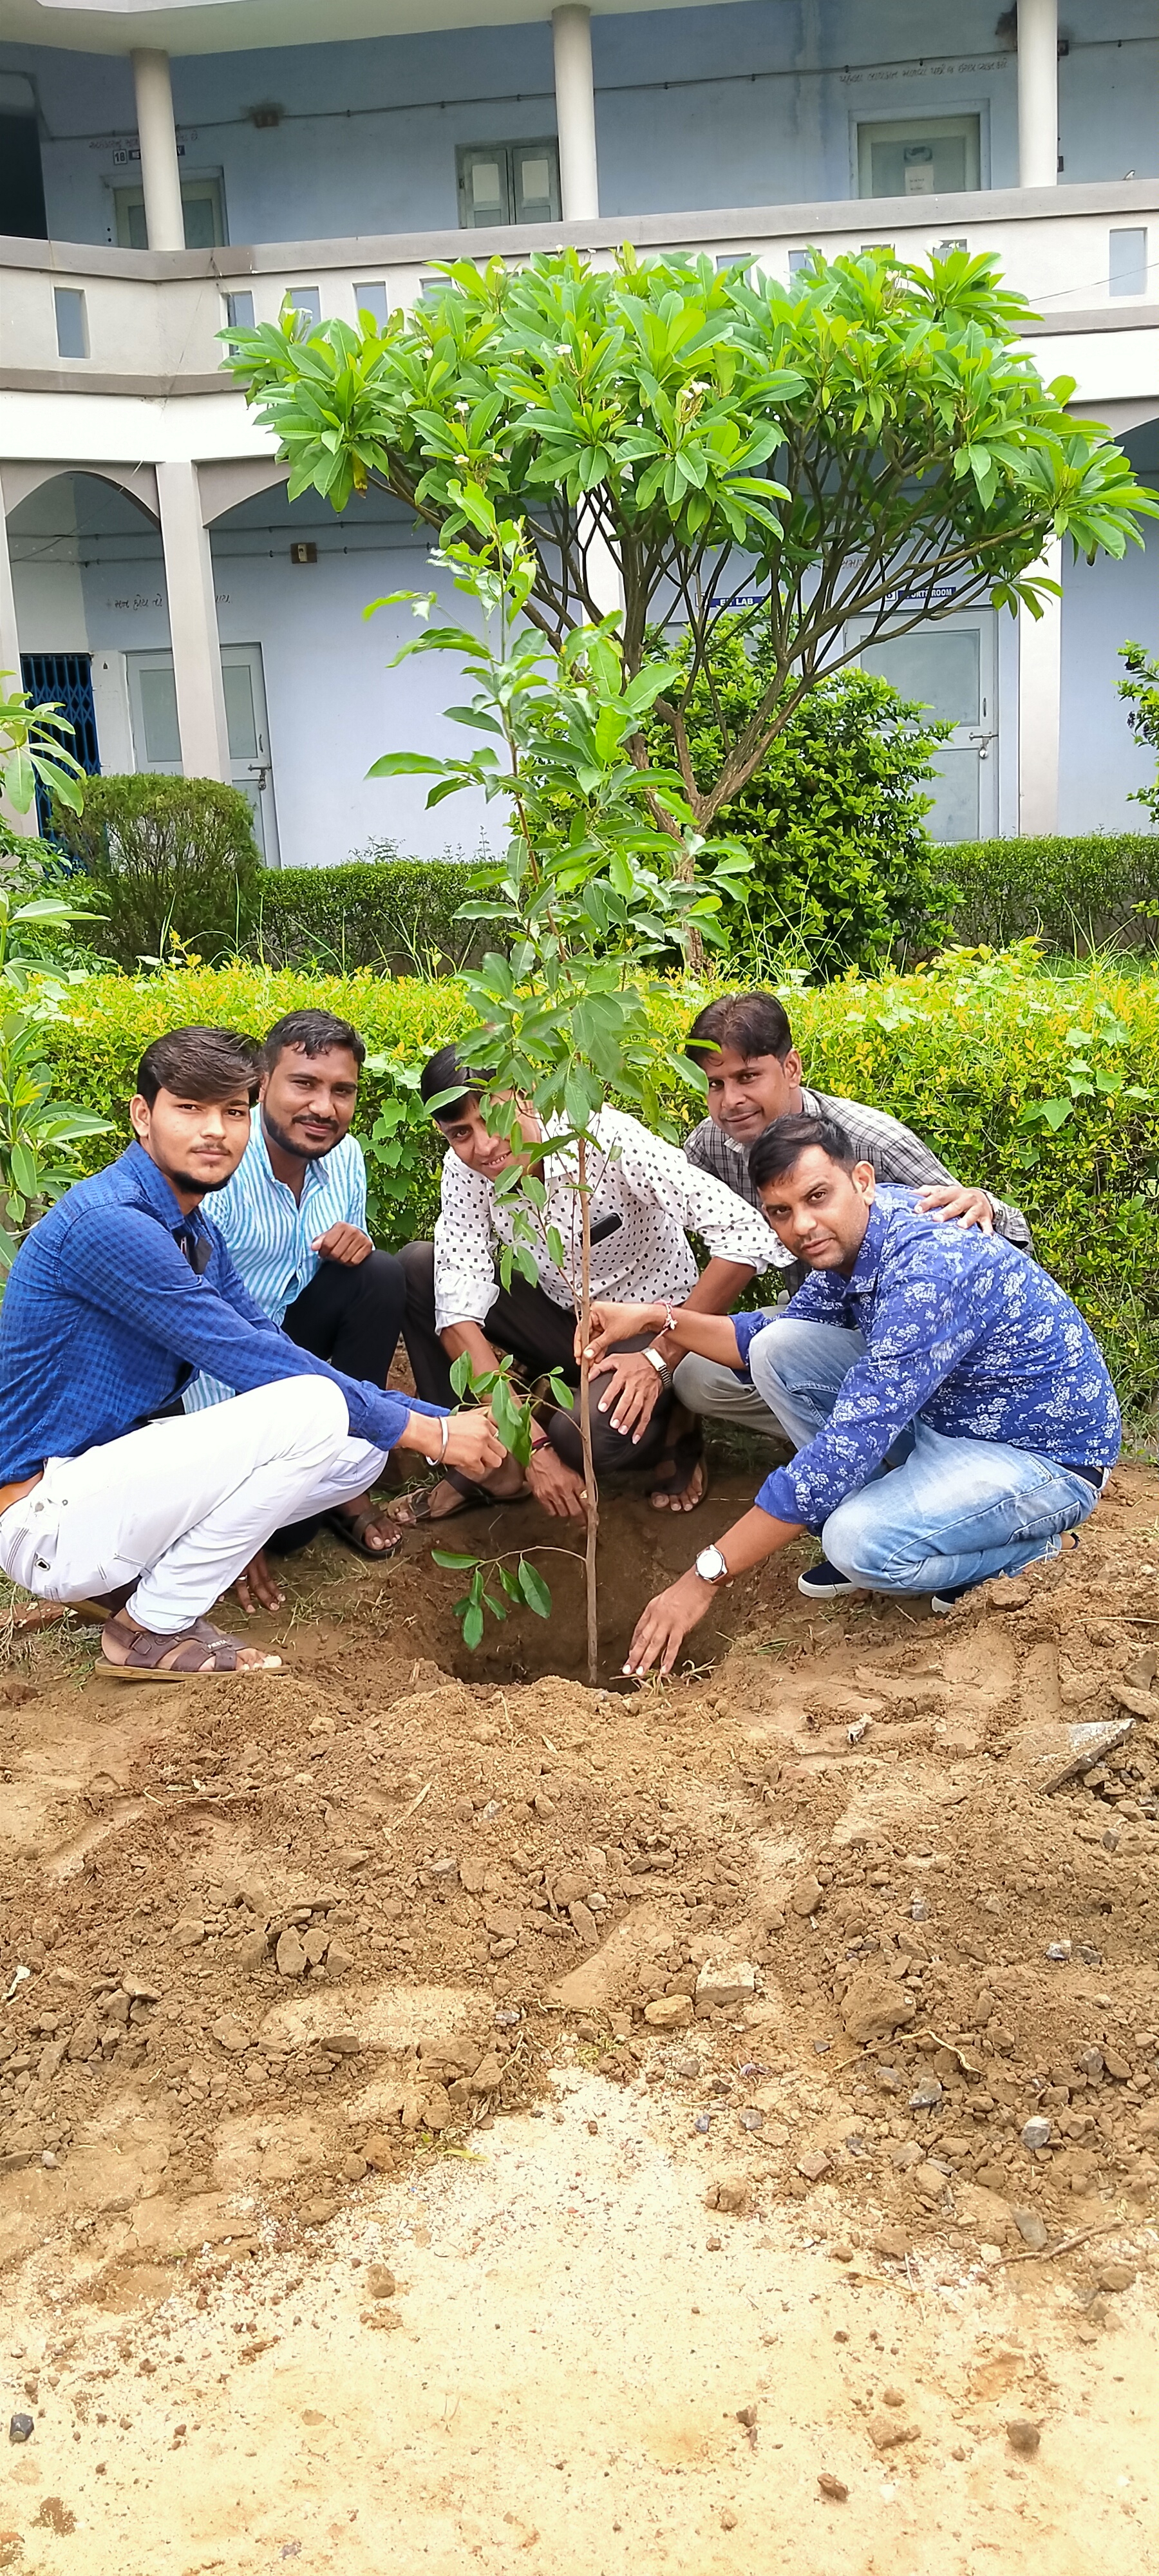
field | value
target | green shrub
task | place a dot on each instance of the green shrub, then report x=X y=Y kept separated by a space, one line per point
x=835 y=817
x=396 y=915
x=983 y=1056
x=1140 y=688
x=172 y=860
x=1076 y=895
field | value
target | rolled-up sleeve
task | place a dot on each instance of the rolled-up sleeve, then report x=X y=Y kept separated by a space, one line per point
x=465 y=1282
x=693 y=1198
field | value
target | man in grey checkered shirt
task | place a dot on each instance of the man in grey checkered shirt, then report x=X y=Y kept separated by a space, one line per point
x=744 y=1045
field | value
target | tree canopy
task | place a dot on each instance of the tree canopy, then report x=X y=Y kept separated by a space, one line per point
x=870 y=442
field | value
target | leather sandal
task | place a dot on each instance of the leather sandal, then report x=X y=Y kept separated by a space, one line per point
x=351 y=1528
x=144 y=1663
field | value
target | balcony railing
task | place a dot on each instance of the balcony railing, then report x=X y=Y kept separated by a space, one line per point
x=143 y=322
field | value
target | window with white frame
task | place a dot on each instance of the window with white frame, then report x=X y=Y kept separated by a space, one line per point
x=508 y=183
x=919 y=156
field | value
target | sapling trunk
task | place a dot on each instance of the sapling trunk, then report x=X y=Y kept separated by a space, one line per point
x=586 y=1417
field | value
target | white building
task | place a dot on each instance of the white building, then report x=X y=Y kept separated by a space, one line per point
x=168 y=164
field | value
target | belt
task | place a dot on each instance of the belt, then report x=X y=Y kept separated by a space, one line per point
x=1090 y=1475
x=12 y=1493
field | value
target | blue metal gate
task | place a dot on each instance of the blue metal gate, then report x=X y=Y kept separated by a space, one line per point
x=64 y=680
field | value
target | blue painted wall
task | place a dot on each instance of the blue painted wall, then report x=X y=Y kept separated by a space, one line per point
x=751 y=104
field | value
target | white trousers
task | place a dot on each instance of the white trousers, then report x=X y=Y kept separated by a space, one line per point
x=184 y=1505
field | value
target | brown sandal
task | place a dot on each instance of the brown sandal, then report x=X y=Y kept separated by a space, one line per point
x=143 y=1663
x=352 y=1529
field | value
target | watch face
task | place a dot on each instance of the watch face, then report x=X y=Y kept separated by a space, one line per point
x=710 y=1565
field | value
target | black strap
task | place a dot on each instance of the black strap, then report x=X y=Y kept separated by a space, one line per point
x=1090 y=1475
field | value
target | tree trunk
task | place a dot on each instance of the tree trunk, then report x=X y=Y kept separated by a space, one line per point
x=586 y=1417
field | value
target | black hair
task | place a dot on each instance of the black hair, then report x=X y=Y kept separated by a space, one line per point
x=200 y=1064
x=753 y=1023
x=779 y=1147
x=446 y=1072
x=315 y=1032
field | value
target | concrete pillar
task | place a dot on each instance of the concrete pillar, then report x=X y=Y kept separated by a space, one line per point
x=1039 y=706
x=10 y=680
x=1038 y=93
x=575 y=110
x=156 y=133
x=193 y=632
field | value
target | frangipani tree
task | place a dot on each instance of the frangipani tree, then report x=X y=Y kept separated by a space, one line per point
x=588 y=900
x=870 y=443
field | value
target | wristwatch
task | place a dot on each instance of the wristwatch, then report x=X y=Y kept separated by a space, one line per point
x=660 y=1365
x=711 y=1567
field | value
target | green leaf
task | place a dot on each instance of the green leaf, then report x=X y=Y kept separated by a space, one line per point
x=455 y=1563
x=534 y=1589
x=473 y=1625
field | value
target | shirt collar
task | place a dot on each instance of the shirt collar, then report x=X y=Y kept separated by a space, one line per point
x=868 y=1261
x=160 y=1196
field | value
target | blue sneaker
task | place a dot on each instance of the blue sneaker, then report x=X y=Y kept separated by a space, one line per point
x=822 y=1582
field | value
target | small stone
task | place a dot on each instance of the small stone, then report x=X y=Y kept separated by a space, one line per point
x=252 y=1951
x=316 y=1945
x=806 y=1896
x=926 y=2095
x=834 y=2488
x=1036 y=2133
x=354 y=2168
x=1117 y=2066
x=893 y=2243
x=1116 y=2276
x=893 y=2396
x=919 y=1911
x=814 y=2164
x=1031 y=2228
x=230 y=2035
x=21 y=2428
x=728 y=2519
x=992 y=2178
x=188 y=1933
x=886 y=2434
x=719 y=1986
x=842 y=2253
x=543 y=1805
x=1023 y=2437
x=379 y=2152
x=1091 y=2063
x=1058 y=1950
x=488 y=2075
x=339 y=1961
x=1007 y=1593
x=875 y=2007
x=48 y=2160
x=290 y=1957
x=731 y=2192
x=669 y=2012
x=929 y=2180
x=380 y=2281
x=887 y=2079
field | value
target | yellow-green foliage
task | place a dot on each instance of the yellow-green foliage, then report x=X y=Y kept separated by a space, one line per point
x=983 y=1056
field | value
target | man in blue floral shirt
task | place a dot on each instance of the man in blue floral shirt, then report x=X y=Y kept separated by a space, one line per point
x=946 y=1355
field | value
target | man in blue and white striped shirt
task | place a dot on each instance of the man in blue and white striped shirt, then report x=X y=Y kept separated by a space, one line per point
x=294 y=1218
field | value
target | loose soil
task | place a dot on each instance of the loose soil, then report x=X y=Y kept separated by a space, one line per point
x=725 y=2001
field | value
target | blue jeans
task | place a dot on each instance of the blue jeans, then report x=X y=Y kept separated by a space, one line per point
x=951 y=1511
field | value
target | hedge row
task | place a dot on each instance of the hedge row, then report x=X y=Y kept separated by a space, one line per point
x=1076 y=895
x=967 y=1053
x=396 y=916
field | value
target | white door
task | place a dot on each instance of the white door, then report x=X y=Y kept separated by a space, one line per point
x=157 y=740
x=950 y=668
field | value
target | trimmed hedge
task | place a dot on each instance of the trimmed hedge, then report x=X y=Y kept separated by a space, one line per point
x=967 y=1053
x=395 y=915
x=1075 y=895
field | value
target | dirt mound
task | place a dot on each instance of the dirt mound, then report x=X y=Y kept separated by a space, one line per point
x=263 y=1936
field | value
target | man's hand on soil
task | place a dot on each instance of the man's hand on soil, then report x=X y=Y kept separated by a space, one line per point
x=628 y=1388
x=256 y=1588
x=556 y=1486
x=663 y=1626
x=344 y=1243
